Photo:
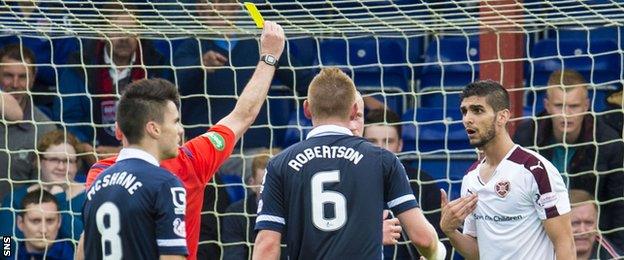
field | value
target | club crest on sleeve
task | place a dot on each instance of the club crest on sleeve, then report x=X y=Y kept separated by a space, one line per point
x=502 y=188
x=179 y=227
x=216 y=139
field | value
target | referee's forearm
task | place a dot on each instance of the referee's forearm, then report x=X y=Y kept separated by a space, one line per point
x=255 y=92
x=465 y=244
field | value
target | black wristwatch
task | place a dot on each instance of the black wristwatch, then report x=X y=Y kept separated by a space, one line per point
x=269 y=59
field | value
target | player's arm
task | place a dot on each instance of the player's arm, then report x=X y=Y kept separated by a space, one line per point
x=250 y=101
x=553 y=208
x=172 y=257
x=267 y=245
x=559 y=231
x=80 y=248
x=169 y=207
x=422 y=234
x=452 y=216
x=271 y=220
x=401 y=200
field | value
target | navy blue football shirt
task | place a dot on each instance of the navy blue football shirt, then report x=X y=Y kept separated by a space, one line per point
x=134 y=210
x=327 y=195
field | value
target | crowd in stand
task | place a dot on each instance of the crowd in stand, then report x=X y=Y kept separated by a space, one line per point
x=56 y=122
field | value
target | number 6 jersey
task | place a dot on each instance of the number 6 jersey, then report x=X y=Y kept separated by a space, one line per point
x=326 y=195
x=134 y=210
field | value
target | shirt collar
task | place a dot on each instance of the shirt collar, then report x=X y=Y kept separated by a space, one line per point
x=134 y=153
x=113 y=72
x=324 y=130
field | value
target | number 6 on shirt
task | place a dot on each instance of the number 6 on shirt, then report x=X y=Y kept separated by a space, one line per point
x=321 y=197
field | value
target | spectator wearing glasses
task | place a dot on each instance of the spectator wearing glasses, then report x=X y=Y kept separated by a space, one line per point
x=56 y=166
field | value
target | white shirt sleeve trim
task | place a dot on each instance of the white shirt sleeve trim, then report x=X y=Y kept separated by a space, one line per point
x=271 y=218
x=405 y=198
x=171 y=242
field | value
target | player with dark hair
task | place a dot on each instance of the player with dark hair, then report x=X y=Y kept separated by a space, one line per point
x=135 y=209
x=326 y=194
x=523 y=206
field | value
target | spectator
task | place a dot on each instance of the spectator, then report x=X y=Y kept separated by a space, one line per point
x=238 y=225
x=52 y=49
x=589 y=243
x=17 y=75
x=383 y=130
x=95 y=89
x=57 y=164
x=216 y=70
x=579 y=145
x=40 y=222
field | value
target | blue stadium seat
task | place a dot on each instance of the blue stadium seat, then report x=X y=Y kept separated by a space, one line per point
x=365 y=59
x=234 y=187
x=294 y=133
x=450 y=63
x=458 y=55
x=434 y=129
x=279 y=102
x=598 y=61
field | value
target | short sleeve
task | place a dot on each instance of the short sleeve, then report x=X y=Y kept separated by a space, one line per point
x=209 y=150
x=398 y=193
x=553 y=197
x=170 y=206
x=271 y=209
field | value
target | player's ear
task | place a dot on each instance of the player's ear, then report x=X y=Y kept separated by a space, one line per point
x=118 y=133
x=152 y=129
x=354 y=111
x=503 y=116
x=306 y=109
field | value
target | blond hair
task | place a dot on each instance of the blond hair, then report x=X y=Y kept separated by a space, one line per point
x=331 y=94
x=567 y=79
x=581 y=197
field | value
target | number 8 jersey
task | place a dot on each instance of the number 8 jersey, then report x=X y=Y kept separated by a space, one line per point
x=326 y=195
x=134 y=210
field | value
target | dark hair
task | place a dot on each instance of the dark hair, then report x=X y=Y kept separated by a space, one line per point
x=38 y=196
x=384 y=116
x=143 y=101
x=496 y=96
x=18 y=52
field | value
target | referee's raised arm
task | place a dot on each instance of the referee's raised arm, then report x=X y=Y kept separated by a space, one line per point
x=250 y=101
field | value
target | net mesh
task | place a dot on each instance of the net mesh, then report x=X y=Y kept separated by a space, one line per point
x=412 y=56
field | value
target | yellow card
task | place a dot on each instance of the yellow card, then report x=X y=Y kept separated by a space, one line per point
x=255 y=14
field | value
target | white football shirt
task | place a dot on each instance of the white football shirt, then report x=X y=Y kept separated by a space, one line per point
x=524 y=190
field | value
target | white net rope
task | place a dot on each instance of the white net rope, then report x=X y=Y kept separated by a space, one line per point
x=412 y=56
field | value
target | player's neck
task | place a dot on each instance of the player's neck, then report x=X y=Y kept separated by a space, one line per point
x=329 y=121
x=152 y=149
x=497 y=148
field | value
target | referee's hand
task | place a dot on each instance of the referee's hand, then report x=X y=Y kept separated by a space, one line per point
x=455 y=212
x=272 y=39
